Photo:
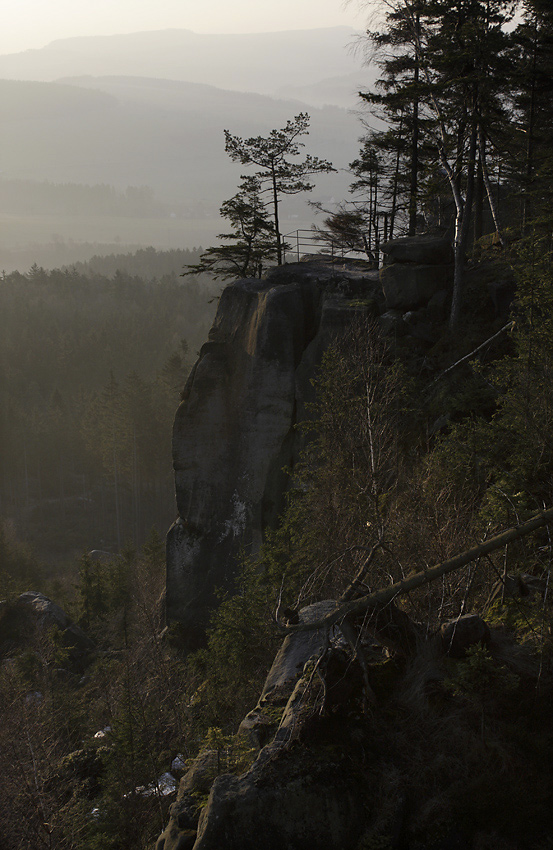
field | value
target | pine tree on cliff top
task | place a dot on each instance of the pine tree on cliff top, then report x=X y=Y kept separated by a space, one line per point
x=278 y=174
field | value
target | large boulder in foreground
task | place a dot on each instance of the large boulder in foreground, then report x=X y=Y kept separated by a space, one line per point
x=306 y=800
x=341 y=776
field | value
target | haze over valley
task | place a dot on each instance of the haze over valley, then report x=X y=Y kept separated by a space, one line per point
x=112 y=173
x=117 y=141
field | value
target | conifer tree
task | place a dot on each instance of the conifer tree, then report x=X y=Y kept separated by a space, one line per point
x=251 y=242
x=454 y=58
x=397 y=52
x=531 y=165
x=278 y=173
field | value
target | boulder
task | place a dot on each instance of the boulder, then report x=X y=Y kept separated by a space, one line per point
x=436 y=308
x=419 y=326
x=313 y=802
x=420 y=250
x=102 y=556
x=407 y=287
x=261 y=723
x=460 y=634
x=183 y=813
x=297 y=648
x=316 y=805
x=392 y=324
x=33 y=613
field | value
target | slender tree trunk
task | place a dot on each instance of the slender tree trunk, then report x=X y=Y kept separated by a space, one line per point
x=277 y=226
x=478 y=204
x=413 y=188
x=375 y=215
x=488 y=185
x=458 y=272
x=469 y=197
x=530 y=134
x=462 y=222
x=395 y=185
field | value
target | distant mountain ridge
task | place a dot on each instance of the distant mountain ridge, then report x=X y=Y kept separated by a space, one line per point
x=267 y=63
x=137 y=131
x=147 y=111
x=124 y=132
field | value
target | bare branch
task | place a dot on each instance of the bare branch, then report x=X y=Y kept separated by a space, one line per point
x=354 y=585
x=382 y=597
x=486 y=342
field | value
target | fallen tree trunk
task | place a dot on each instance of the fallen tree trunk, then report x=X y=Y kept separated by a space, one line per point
x=383 y=597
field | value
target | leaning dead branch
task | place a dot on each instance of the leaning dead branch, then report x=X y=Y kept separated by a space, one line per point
x=383 y=597
x=509 y=326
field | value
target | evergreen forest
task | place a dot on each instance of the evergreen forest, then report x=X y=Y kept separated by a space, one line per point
x=94 y=358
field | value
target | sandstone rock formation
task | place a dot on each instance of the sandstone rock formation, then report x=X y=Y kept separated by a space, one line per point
x=312 y=802
x=419 y=250
x=235 y=429
x=330 y=776
x=418 y=269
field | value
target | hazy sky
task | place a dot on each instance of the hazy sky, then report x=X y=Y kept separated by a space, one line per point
x=33 y=23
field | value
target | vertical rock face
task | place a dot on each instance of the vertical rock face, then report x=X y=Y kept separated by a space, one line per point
x=234 y=431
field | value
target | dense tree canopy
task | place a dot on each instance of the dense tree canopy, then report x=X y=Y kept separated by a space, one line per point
x=460 y=92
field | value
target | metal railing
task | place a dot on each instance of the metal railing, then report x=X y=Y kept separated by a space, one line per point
x=299 y=243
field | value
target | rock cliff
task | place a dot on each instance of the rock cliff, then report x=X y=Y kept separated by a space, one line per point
x=234 y=432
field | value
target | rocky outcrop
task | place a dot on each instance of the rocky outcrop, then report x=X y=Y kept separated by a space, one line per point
x=259 y=725
x=32 y=614
x=306 y=806
x=417 y=269
x=235 y=429
x=333 y=774
x=419 y=250
x=303 y=803
x=408 y=286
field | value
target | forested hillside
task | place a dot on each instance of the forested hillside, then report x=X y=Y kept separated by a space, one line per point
x=92 y=367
